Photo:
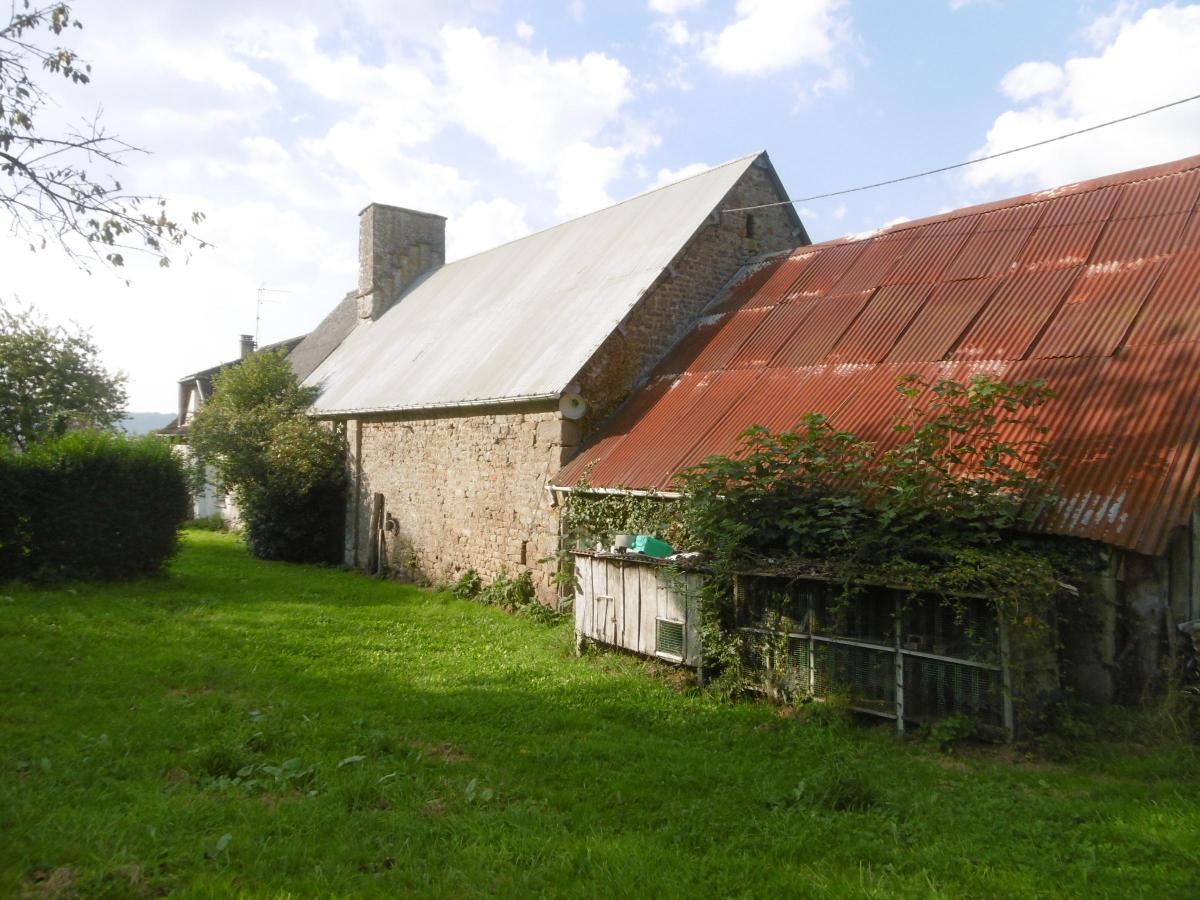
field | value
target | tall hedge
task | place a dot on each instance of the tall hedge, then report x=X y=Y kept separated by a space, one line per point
x=90 y=505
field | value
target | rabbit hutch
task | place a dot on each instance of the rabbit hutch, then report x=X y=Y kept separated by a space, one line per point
x=908 y=657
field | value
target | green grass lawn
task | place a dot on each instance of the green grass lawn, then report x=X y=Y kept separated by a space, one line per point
x=245 y=728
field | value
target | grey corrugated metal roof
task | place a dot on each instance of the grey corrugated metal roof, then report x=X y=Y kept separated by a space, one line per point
x=519 y=321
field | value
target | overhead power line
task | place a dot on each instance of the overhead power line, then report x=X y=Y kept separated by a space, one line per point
x=969 y=162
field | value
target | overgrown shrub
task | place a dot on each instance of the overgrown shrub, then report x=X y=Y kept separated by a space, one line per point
x=510 y=594
x=517 y=595
x=468 y=586
x=293 y=526
x=286 y=471
x=90 y=505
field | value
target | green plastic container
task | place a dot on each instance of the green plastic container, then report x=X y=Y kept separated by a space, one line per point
x=650 y=546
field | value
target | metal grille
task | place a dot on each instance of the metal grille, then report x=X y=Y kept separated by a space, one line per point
x=799 y=665
x=950 y=651
x=866 y=676
x=966 y=630
x=669 y=638
x=935 y=688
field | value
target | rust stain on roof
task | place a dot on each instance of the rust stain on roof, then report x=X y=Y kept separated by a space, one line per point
x=1094 y=287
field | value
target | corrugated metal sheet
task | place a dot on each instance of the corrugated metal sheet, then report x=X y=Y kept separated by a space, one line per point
x=933 y=248
x=1068 y=230
x=936 y=329
x=1099 y=309
x=1172 y=314
x=518 y=321
x=996 y=243
x=1017 y=314
x=821 y=324
x=1094 y=287
x=875 y=332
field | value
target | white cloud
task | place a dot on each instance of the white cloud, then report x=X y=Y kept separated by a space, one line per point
x=775 y=35
x=483 y=225
x=675 y=31
x=674 y=7
x=1106 y=27
x=1150 y=60
x=575 y=10
x=524 y=30
x=549 y=117
x=1032 y=79
x=670 y=176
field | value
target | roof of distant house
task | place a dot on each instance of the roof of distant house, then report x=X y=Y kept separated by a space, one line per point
x=203 y=380
x=1094 y=287
x=518 y=322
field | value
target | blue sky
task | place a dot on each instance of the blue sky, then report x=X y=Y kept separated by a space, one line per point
x=282 y=119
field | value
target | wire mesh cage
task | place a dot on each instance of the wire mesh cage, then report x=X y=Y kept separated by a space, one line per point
x=936 y=688
x=866 y=676
x=964 y=627
x=821 y=643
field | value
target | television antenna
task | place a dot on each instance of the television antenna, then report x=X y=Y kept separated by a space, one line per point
x=263 y=289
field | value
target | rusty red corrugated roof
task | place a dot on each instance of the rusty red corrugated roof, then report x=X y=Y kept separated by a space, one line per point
x=1094 y=287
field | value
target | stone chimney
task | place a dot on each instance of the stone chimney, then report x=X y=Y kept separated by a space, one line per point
x=396 y=246
x=247 y=341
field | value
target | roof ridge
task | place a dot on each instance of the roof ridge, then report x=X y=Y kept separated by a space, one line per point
x=579 y=218
x=1086 y=186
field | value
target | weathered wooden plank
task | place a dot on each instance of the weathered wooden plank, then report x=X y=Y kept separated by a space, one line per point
x=649 y=609
x=693 y=651
x=631 y=578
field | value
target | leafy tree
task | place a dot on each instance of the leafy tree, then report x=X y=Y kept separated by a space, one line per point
x=47 y=181
x=286 y=471
x=51 y=380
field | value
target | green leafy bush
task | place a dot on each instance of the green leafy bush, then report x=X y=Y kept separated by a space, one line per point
x=947 y=733
x=90 y=505
x=286 y=471
x=518 y=595
x=293 y=526
x=510 y=594
x=468 y=586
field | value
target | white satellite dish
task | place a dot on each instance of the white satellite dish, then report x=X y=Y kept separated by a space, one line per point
x=572 y=406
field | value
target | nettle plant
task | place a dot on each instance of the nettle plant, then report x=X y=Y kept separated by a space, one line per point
x=940 y=505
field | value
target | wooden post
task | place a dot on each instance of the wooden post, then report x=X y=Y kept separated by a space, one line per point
x=899 y=663
x=373 y=547
x=1006 y=677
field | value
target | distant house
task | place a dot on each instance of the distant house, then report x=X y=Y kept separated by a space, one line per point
x=1094 y=287
x=464 y=386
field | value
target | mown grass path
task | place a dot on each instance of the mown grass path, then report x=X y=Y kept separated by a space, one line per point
x=243 y=728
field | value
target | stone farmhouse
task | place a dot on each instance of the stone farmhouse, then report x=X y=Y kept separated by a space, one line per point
x=464 y=386
x=1094 y=287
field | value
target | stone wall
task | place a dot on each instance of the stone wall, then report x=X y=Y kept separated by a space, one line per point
x=464 y=491
x=668 y=310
